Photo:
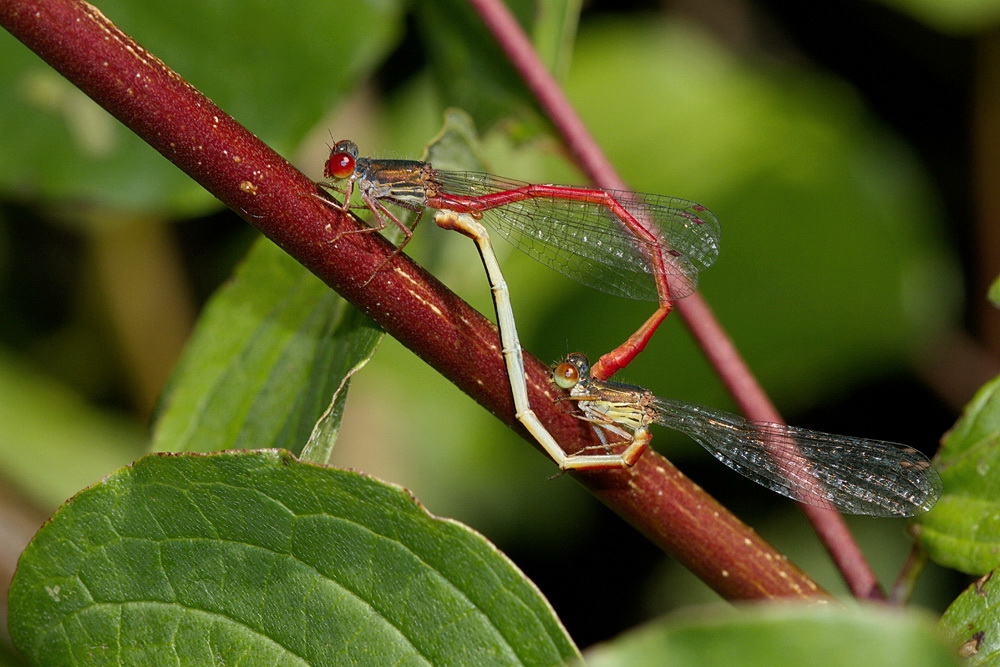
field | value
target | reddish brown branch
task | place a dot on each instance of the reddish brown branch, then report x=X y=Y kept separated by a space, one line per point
x=411 y=305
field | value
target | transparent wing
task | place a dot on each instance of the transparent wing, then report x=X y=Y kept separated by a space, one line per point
x=589 y=243
x=856 y=475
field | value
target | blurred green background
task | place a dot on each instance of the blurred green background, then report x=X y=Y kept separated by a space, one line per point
x=845 y=150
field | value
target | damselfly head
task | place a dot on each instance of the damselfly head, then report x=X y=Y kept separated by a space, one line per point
x=568 y=373
x=342 y=160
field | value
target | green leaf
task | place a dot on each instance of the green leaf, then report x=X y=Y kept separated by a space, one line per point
x=256 y=557
x=774 y=635
x=972 y=620
x=554 y=32
x=320 y=444
x=59 y=143
x=963 y=529
x=471 y=69
x=456 y=147
x=269 y=352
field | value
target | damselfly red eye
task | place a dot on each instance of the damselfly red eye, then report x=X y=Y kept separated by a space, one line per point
x=339 y=166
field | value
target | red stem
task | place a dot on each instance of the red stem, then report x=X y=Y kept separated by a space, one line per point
x=198 y=137
x=707 y=331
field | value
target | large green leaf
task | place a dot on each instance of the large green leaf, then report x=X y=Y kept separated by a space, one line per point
x=963 y=529
x=256 y=558
x=269 y=353
x=778 y=635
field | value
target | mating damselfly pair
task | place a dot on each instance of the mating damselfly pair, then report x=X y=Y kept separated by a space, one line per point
x=639 y=246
